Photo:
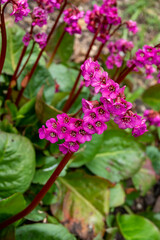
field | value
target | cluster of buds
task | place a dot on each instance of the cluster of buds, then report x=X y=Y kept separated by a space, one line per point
x=20 y=8
x=153 y=117
x=103 y=17
x=71 y=17
x=49 y=5
x=40 y=38
x=147 y=58
x=112 y=104
x=118 y=52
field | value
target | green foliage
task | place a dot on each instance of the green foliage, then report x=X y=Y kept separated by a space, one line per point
x=17 y=164
x=152 y=97
x=120 y=157
x=134 y=227
x=43 y=231
x=11 y=206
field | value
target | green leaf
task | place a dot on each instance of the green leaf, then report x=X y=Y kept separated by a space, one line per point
x=43 y=110
x=83 y=204
x=64 y=76
x=7 y=127
x=43 y=231
x=135 y=227
x=117 y=196
x=136 y=94
x=14 y=48
x=12 y=109
x=153 y=217
x=36 y=215
x=11 y=206
x=87 y=151
x=40 y=77
x=26 y=114
x=154 y=154
x=145 y=178
x=152 y=97
x=42 y=175
x=119 y=157
x=17 y=164
x=67 y=44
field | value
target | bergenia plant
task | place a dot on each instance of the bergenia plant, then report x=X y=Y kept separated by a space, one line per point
x=68 y=123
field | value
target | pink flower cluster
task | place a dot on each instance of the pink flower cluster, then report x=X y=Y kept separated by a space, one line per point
x=71 y=17
x=96 y=114
x=132 y=26
x=147 y=58
x=40 y=38
x=153 y=117
x=49 y=5
x=39 y=17
x=118 y=52
x=101 y=17
x=20 y=9
x=113 y=98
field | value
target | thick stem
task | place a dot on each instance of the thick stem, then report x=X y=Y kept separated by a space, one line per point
x=56 y=48
x=99 y=51
x=40 y=195
x=79 y=74
x=4 y=39
x=73 y=99
x=28 y=77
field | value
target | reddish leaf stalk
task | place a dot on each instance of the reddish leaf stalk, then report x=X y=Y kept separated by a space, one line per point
x=27 y=78
x=73 y=99
x=56 y=48
x=4 y=39
x=40 y=195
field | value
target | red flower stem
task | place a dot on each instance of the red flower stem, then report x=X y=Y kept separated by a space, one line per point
x=26 y=61
x=99 y=51
x=40 y=195
x=79 y=74
x=56 y=48
x=27 y=78
x=122 y=77
x=73 y=99
x=4 y=39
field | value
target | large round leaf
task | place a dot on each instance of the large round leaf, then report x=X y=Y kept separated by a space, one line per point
x=83 y=204
x=120 y=157
x=134 y=227
x=17 y=164
x=42 y=231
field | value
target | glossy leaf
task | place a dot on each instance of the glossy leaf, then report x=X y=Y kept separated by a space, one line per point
x=42 y=175
x=119 y=157
x=14 y=48
x=87 y=151
x=84 y=203
x=145 y=178
x=154 y=154
x=11 y=205
x=134 y=227
x=67 y=44
x=64 y=76
x=40 y=77
x=117 y=196
x=152 y=97
x=43 y=231
x=17 y=164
